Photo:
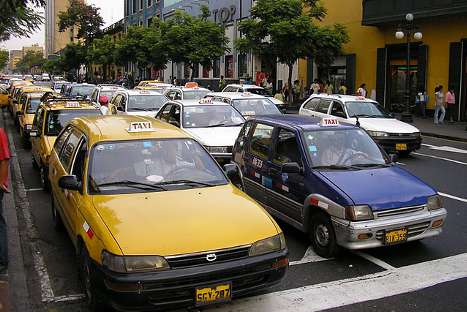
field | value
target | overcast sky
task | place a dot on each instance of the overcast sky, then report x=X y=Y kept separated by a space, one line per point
x=111 y=11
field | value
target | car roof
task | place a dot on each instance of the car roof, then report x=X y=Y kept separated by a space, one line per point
x=57 y=104
x=188 y=89
x=139 y=92
x=115 y=128
x=343 y=98
x=237 y=95
x=298 y=122
x=83 y=85
x=197 y=103
x=244 y=86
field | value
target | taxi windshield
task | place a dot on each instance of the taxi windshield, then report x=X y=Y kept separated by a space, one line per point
x=151 y=165
x=365 y=110
x=151 y=102
x=211 y=116
x=195 y=94
x=57 y=119
x=82 y=91
x=342 y=149
x=33 y=105
x=253 y=107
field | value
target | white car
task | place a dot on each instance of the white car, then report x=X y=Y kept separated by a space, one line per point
x=107 y=90
x=215 y=125
x=186 y=93
x=137 y=102
x=391 y=134
x=248 y=104
x=255 y=90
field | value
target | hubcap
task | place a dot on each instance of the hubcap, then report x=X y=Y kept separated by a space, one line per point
x=322 y=235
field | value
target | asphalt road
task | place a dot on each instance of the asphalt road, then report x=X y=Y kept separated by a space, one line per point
x=419 y=276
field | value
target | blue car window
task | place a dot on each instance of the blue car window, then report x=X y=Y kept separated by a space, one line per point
x=261 y=140
x=286 y=149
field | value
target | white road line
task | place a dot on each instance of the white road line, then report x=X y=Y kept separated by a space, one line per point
x=354 y=290
x=375 y=260
x=453 y=197
x=308 y=257
x=34 y=189
x=446 y=148
x=441 y=158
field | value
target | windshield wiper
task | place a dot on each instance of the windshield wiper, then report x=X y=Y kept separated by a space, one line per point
x=141 y=109
x=217 y=125
x=361 y=115
x=337 y=167
x=134 y=184
x=184 y=181
x=370 y=165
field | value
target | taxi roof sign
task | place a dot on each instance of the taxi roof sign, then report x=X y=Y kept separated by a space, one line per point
x=72 y=104
x=329 y=122
x=140 y=126
x=191 y=84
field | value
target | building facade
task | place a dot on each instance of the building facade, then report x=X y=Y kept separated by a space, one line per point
x=54 y=39
x=34 y=48
x=15 y=57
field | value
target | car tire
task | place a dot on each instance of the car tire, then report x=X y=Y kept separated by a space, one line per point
x=56 y=217
x=44 y=178
x=322 y=236
x=94 y=298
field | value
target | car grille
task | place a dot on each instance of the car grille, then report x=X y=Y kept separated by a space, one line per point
x=223 y=255
x=399 y=211
x=404 y=135
x=412 y=230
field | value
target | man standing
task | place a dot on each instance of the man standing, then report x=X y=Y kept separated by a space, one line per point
x=439 y=105
x=222 y=83
x=4 y=160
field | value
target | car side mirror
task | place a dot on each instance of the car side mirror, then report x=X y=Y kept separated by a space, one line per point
x=233 y=173
x=33 y=133
x=69 y=182
x=291 y=168
x=393 y=158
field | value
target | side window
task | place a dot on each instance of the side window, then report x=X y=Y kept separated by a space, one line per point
x=323 y=106
x=165 y=114
x=178 y=95
x=287 y=149
x=68 y=150
x=40 y=121
x=175 y=116
x=94 y=96
x=338 y=110
x=61 y=139
x=244 y=134
x=312 y=104
x=228 y=89
x=37 y=117
x=261 y=140
x=78 y=165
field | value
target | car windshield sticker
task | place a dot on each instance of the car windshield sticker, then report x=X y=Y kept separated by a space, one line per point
x=312 y=148
x=147 y=144
x=267 y=182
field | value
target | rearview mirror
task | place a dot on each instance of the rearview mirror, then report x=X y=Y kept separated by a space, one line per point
x=291 y=168
x=69 y=182
x=233 y=173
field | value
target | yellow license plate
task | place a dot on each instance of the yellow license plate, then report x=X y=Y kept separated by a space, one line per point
x=395 y=237
x=213 y=294
x=401 y=147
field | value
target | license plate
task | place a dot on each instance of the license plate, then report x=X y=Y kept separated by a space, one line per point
x=401 y=147
x=213 y=294
x=395 y=237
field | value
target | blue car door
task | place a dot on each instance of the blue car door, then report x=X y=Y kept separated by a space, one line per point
x=288 y=191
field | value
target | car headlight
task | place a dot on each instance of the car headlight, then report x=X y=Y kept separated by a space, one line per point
x=416 y=134
x=268 y=245
x=434 y=202
x=358 y=213
x=133 y=264
x=218 y=149
x=377 y=134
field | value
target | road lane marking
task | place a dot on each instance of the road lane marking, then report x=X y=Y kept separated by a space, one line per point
x=441 y=158
x=308 y=257
x=375 y=260
x=445 y=148
x=69 y=298
x=453 y=197
x=355 y=290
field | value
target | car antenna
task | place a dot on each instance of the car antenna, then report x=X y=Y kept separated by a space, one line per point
x=358 y=122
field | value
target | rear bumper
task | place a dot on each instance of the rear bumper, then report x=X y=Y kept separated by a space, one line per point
x=175 y=288
x=389 y=143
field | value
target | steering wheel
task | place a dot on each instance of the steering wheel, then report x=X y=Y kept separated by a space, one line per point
x=354 y=156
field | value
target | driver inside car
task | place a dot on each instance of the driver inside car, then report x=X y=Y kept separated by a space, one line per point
x=337 y=150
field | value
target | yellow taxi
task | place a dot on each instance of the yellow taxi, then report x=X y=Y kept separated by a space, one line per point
x=28 y=110
x=155 y=221
x=4 y=98
x=154 y=85
x=50 y=118
x=21 y=96
x=14 y=86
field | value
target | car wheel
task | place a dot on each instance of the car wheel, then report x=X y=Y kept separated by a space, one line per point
x=44 y=178
x=322 y=236
x=56 y=218
x=88 y=278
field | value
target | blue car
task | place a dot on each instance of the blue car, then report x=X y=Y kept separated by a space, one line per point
x=333 y=182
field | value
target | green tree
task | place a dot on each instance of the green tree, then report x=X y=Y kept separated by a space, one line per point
x=31 y=60
x=72 y=57
x=52 y=66
x=287 y=30
x=102 y=52
x=19 y=18
x=85 y=17
x=4 y=58
x=193 y=40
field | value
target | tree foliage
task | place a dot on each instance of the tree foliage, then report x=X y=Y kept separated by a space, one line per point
x=102 y=51
x=287 y=30
x=72 y=57
x=32 y=59
x=85 y=17
x=19 y=18
x=4 y=58
x=52 y=66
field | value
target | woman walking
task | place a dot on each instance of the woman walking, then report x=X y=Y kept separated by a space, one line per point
x=450 y=102
x=439 y=105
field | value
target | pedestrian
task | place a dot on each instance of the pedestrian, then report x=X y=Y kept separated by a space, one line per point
x=439 y=105
x=450 y=102
x=421 y=101
x=269 y=86
x=222 y=83
x=362 y=90
x=315 y=86
x=343 y=89
x=4 y=163
x=285 y=92
x=329 y=88
x=296 y=90
x=104 y=102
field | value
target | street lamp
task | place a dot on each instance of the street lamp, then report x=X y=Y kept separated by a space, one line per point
x=407 y=30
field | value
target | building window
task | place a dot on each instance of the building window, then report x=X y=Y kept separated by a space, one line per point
x=149 y=3
x=135 y=4
x=196 y=71
x=242 y=65
x=216 y=68
x=141 y=4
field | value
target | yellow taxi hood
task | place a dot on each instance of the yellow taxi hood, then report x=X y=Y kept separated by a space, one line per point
x=187 y=221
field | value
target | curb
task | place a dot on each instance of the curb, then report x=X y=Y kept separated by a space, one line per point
x=442 y=136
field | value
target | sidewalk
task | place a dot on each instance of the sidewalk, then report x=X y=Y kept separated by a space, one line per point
x=456 y=131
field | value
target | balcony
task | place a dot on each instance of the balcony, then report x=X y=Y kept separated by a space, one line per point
x=380 y=12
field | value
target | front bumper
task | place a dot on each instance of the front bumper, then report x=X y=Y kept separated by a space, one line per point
x=175 y=288
x=389 y=143
x=419 y=226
